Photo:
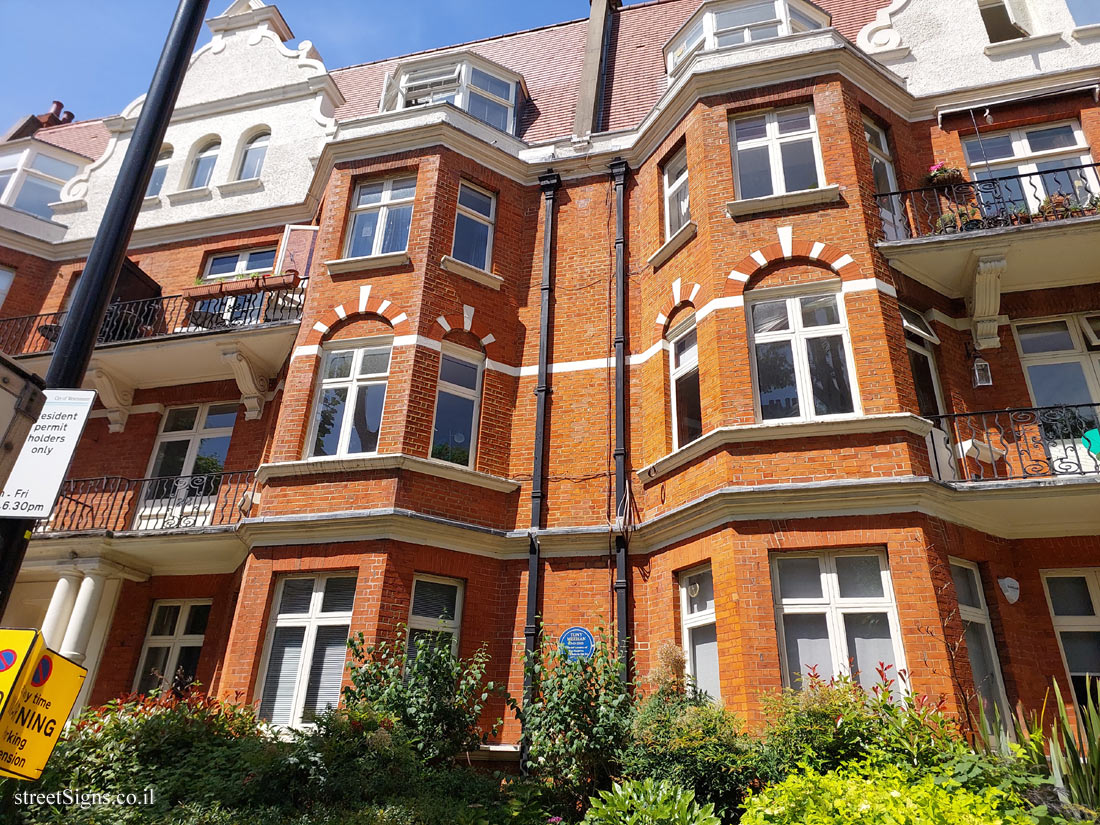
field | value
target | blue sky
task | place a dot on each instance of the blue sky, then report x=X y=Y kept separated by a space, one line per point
x=98 y=55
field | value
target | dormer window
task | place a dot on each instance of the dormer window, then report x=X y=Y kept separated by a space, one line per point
x=486 y=91
x=720 y=24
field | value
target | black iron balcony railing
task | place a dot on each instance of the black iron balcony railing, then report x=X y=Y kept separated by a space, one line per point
x=161 y=317
x=151 y=504
x=959 y=206
x=1037 y=442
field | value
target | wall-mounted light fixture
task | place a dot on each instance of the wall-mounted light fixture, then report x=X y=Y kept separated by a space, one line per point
x=980 y=373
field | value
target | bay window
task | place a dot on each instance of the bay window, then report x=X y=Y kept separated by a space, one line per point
x=306 y=647
x=454 y=433
x=835 y=615
x=700 y=630
x=776 y=153
x=687 y=414
x=31 y=180
x=347 y=412
x=488 y=92
x=802 y=360
x=173 y=643
x=381 y=215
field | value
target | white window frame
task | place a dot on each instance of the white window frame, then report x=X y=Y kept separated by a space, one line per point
x=454 y=79
x=1086 y=624
x=211 y=147
x=1089 y=360
x=474 y=215
x=689 y=621
x=774 y=141
x=311 y=621
x=353 y=382
x=253 y=142
x=383 y=208
x=477 y=360
x=452 y=626
x=1019 y=17
x=7 y=278
x=923 y=347
x=685 y=42
x=798 y=336
x=677 y=334
x=892 y=213
x=980 y=615
x=834 y=608
x=21 y=170
x=672 y=189
x=164 y=159
x=196 y=434
x=242 y=263
x=174 y=642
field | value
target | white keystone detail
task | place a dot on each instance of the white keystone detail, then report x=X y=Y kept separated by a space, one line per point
x=443 y=323
x=786 y=240
x=364 y=295
x=676 y=291
x=340 y=312
x=819 y=247
x=321 y=328
x=843 y=261
x=738 y=276
x=467 y=317
x=758 y=256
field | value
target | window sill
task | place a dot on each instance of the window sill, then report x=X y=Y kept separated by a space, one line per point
x=1023 y=44
x=475 y=274
x=151 y=202
x=240 y=187
x=201 y=193
x=386 y=461
x=788 y=200
x=670 y=247
x=848 y=425
x=343 y=265
x=1086 y=33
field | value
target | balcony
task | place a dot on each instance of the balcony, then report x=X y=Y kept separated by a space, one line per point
x=1059 y=443
x=151 y=505
x=1013 y=226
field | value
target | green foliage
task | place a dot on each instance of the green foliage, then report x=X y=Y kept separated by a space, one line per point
x=880 y=793
x=1075 y=752
x=578 y=722
x=437 y=697
x=649 y=802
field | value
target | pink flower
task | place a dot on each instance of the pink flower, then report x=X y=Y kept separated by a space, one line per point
x=936 y=167
x=554 y=820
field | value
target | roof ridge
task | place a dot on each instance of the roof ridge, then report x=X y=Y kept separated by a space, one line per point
x=73 y=123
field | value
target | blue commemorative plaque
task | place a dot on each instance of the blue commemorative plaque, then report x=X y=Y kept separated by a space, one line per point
x=578 y=642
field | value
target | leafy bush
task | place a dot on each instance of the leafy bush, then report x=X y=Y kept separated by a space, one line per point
x=578 y=721
x=1075 y=753
x=649 y=802
x=861 y=794
x=437 y=697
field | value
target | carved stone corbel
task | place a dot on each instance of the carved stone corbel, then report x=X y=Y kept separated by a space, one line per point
x=114 y=395
x=250 y=380
x=985 y=301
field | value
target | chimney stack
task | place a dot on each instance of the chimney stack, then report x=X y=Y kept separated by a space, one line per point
x=55 y=110
x=67 y=116
x=593 y=72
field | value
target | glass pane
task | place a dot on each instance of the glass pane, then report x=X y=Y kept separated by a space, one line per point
x=253 y=162
x=731 y=37
x=686 y=350
x=204 y=170
x=984 y=670
x=924 y=383
x=829 y=375
x=819 y=311
x=770 y=317
x=1058 y=384
x=375 y=361
x=395 y=237
x=366 y=422
x=454 y=421
x=751 y=128
x=775 y=380
x=326 y=671
x=679 y=210
x=475 y=200
x=689 y=413
x=884 y=178
x=915 y=322
x=435 y=600
x=859 y=577
x=282 y=675
x=471 y=241
x=870 y=647
x=187 y=665
x=793 y=120
x=156 y=180
x=330 y=415
x=1069 y=596
x=754 y=173
x=799 y=165
x=700 y=592
x=296 y=598
x=260 y=259
x=197 y=619
x=876 y=138
x=363 y=227
x=221 y=415
x=743 y=15
x=764 y=32
x=339 y=594
x=223 y=265
x=1061 y=177
x=164 y=620
x=799 y=578
x=490 y=84
x=180 y=419
x=4 y=178
x=998 y=147
x=1052 y=137
x=1082 y=651
x=458 y=372
x=966 y=586
x=170 y=459
x=806 y=637
x=489 y=111
x=211 y=455
x=339 y=364
x=152 y=669
x=402 y=188
x=1094 y=324
x=35 y=195
x=53 y=167
x=704 y=659
x=370 y=193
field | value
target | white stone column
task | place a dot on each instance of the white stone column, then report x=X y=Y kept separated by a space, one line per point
x=75 y=644
x=60 y=609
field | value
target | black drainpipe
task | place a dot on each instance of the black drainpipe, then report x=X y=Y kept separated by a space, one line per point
x=549 y=182
x=622 y=581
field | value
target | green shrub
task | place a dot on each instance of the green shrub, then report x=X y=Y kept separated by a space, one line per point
x=888 y=794
x=1075 y=752
x=437 y=697
x=649 y=802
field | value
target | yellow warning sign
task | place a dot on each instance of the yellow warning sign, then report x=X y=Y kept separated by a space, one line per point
x=36 y=704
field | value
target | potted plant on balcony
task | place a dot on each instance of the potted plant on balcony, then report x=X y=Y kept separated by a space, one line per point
x=964 y=218
x=1020 y=215
x=1055 y=206
x=940 y=174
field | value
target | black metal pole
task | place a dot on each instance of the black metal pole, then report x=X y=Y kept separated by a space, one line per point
x=622 y=581
x=97 y=282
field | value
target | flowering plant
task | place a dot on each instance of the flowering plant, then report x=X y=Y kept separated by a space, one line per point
x=942 y=173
